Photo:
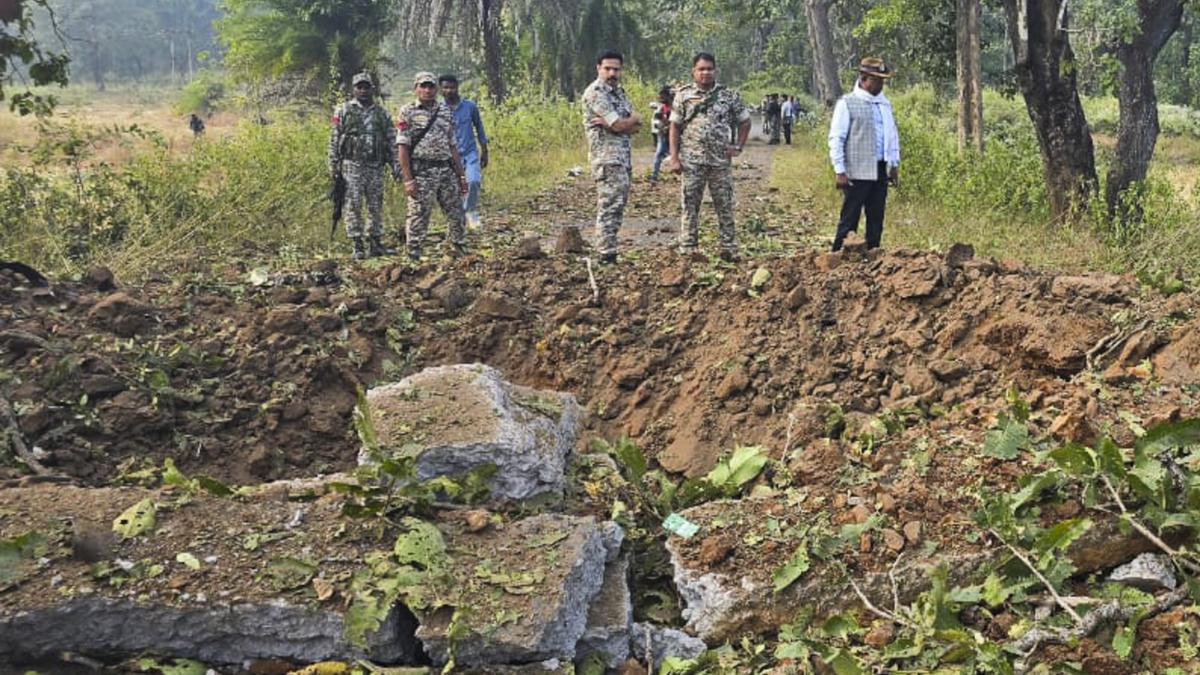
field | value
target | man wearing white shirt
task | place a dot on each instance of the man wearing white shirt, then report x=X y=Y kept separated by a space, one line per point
x=789 y=116
x=864 y=148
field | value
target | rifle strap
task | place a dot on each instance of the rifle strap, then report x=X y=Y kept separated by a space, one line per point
x=421 y=133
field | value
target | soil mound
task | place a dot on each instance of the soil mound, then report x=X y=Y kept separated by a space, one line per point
x=249 y=377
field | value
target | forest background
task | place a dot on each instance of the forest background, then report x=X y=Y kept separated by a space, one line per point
x=1031 y=129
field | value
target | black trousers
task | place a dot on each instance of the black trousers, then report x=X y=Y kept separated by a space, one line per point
x=864 y=195
x=787 y=132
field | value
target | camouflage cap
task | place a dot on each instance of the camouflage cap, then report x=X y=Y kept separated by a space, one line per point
x=361 y=78
x=423 y=77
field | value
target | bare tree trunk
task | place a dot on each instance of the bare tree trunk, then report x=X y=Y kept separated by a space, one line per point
x=489 y=16
x=1185 y=77
x=970 y=77
x=1138 y=129
x=1045 y=68
x=824 y=61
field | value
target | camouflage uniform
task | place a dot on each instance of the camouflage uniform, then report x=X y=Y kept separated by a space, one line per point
x=707 y=121
x=433 y=170
x=610 y=156
x=363 y=142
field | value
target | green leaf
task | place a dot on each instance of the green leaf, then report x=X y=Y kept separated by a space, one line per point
x=1075 y=459
x=840 y=626
x=1062 y=535
x=422 y=545
x=171 y=666
x=18 y=557
x=188 y=560
x=733 y=472
x=1110 y=458
x=214 y=487
x=1033 y=488
x=172 y=475
x=995 y=591
x=630 y=458
x=793 y=569
x=1006 y=440
x=1167 y=436
x=136 y=520
x=287 y=573
x=1123 y=640
x=845 y=663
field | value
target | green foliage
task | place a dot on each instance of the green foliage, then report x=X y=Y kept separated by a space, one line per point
x=734 y=472
x=18 y=558
x=203 y=95
x=21 y=51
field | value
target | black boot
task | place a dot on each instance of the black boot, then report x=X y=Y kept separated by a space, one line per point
x=360 y=249
x=377 y=248
x=608 y=259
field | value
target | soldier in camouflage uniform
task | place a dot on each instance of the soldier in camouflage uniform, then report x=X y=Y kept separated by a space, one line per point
x=431 y=166
x=361 y=145
x=609 y=121
x=702 y=121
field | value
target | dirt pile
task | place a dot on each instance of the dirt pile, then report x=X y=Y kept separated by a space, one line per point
x=250 y=377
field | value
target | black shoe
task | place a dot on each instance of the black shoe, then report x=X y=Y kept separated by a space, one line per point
x=608 y=259
x=729 y=256
x=413 y=255
x=360 y=249
x=377 y=249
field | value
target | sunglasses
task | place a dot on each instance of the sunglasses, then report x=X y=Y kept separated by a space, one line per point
x=426 y=85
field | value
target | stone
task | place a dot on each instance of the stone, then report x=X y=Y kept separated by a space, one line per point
x=497 y=306
x=101 y=278
x=609 y=618
x=664 y=643
x=529 y=248
x=947 y=370
x=477 y=520
x=893 y=540
x=102 y=386
x=796 y=298
x=1149 y=572
x=715 y=549
x=632 y=667
x=735 y=382
x=464 y=417
x=288 y=320
x=568 y=556
x=827 y=262
x=860 y=514
x=880 y=636
x=570 y=240
x=885 y=502
x=959 y=254
x=912 y=531
x=452 y=295
x=122 y=314
x=673 y=276
x=1072 y=427
x=1105 y=288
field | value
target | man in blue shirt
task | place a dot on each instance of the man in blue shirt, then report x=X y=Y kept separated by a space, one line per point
x=864 y=148
x=472 y=143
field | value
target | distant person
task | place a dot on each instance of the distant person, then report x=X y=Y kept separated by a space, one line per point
x=661 y=130
x=788 y=117
x=702 y=119
x=196 y=125
x=864 y=147
x=361 y=146
x=472 y=143
x=431 y=166
x=609 y=121
x=774 y=113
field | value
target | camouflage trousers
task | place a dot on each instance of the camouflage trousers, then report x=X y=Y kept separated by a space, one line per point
x=719 y=180
x=363 y=182
x=435 y=184
x=612 y=194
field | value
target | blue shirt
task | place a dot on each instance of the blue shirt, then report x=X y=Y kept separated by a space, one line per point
x=468 y=126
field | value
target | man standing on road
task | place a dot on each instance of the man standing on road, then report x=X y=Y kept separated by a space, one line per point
x=472 y=143
x=864 y=147
x=774 y=113
x=609 y=122
x=431 y=167
x=361 y=145
x=789 y=116
x=703 y=117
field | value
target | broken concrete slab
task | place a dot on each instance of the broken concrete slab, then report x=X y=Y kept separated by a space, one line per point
x=652 y=644
x=736 y=595
x=523 y=591
x=203 y=583
x=609 y=618
x=1150 y=572
x=454 y=419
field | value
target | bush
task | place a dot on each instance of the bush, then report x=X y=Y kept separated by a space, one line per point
x=202 y=95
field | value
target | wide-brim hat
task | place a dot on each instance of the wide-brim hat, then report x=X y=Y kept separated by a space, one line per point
x=360 y=78
x=424 y=77
x=875 y=68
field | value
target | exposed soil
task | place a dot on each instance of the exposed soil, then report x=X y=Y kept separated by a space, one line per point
x=845 y=366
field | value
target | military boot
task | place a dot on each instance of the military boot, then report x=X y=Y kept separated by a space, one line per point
x=360 y=249
x=377 y=248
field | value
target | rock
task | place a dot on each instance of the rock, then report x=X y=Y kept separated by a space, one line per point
x=827 y=262
x=664 y=643
x=912 y=531
x=947 y=370
x=885 y=502
x=632 y=667
x=714 y=549
x=497 y=306
x=881 y=635
x=547 y=667
x=100 y=386
x=673 y=276
x=609 y=618
x=477 y=520
x=893 y=540
x=101 y=278
x=959 y=254
x=214 y=633
x=1106 y=288
x=467 y=416
x=288 y=320
x=570 y=241
x=1148 y=572
x=860 y=514
x=122 y=314
x=796 y=298
x=567 y=557
x=529 y=248
x=19 y=341
x=854 y=244
x=452 y=295
x=735 y=382
x=1072 y=427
